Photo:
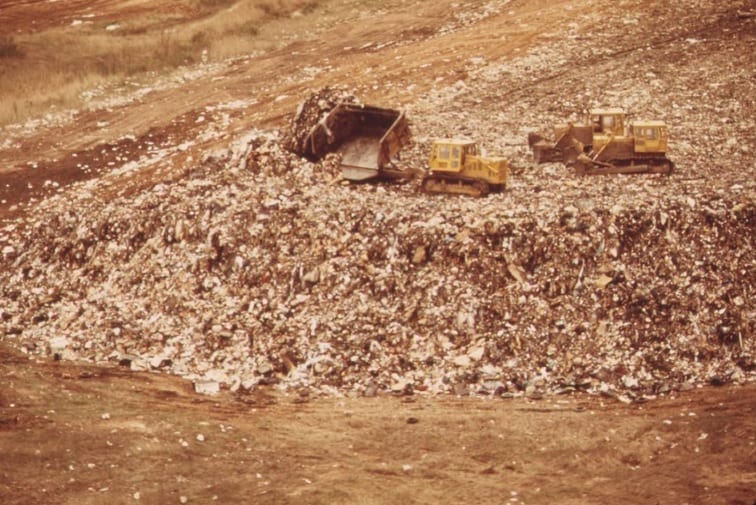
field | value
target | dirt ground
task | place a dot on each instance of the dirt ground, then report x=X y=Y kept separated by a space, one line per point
x=81 y=434
x=386 y=53
x=74 y=434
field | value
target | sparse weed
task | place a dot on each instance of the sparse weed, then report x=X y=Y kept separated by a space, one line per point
x=9 y=48
x=42 y=75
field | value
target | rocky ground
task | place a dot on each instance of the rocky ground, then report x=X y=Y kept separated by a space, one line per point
x=191 y=241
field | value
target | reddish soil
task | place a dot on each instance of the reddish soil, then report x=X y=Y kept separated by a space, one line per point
x=80 y=434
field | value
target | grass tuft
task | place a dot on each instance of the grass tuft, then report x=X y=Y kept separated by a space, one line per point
x=9 y=48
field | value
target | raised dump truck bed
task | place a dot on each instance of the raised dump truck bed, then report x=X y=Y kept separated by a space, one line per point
x=367 y=137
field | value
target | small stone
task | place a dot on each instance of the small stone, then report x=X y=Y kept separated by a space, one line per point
x=137 y=364
x=207 y=387
x=476 y=353
x=312 y=277
x=419 y=256
x=630 y=382
x=58 y=344
x=462 y=361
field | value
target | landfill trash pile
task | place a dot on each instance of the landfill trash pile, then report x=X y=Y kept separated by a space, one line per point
x=312 y=110
x=256 y=269
x=257 y=266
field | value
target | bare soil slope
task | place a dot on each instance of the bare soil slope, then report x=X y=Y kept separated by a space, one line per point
x=81 y=434
x=162 y=227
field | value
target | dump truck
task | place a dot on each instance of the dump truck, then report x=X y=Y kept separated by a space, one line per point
x=605 y=145
x=456 y=166
x=367 y=137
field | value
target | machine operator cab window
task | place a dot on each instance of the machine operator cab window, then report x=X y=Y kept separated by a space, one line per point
x=449 y=154
x=456 y=155
x=650 y=136
x=646 y=133
x=608 y=121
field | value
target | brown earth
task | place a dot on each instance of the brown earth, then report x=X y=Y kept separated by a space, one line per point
x=73 y=433
x=78 y=434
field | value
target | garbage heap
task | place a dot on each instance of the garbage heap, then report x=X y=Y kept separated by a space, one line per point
x=253 y=270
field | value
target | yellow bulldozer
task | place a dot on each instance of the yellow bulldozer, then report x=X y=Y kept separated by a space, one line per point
x=605 y=145
x=457 y=167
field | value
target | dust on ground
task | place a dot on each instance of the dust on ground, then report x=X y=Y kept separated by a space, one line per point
x=73 y=433
x=80 y=434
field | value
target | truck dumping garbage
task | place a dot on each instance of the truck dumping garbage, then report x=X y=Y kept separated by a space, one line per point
x=367 y=137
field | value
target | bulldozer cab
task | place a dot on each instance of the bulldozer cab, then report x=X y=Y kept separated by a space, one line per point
x=448 y=155
x=650 y=136
x=608 y=122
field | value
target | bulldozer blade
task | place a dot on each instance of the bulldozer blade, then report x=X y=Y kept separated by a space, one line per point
x=367 y=137
x=359 y=156
x=358 y=174
x=534 y=138
x=543 y=152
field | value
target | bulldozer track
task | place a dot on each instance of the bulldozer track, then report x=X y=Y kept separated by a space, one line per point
x=439 y=184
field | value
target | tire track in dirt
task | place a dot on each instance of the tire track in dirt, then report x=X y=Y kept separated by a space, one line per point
x=24 y=16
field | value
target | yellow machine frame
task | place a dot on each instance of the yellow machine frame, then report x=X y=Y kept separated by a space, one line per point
x=462 y=158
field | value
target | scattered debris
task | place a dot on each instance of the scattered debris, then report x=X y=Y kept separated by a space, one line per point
x=253 y=268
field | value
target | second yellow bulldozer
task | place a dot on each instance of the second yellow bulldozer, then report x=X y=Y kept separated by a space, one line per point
x=457 y=167
x=604 y=144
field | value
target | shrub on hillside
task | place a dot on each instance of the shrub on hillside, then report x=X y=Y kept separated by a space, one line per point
x=9 y=48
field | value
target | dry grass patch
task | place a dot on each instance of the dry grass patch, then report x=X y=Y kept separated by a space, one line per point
x=42 y=70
